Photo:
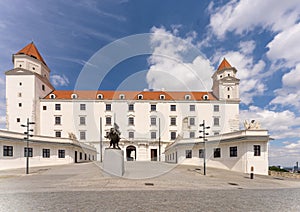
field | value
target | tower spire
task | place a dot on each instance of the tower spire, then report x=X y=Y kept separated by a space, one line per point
x=32 y=51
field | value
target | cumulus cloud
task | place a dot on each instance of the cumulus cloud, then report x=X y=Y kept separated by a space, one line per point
x=285 y=46
x=59 y=80
x=243 y=16
x=176 y=64
x=277 y=122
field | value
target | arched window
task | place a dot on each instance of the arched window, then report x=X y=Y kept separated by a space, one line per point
x=162 y=97
x=121 y=96
x=74 y=96
x=140 y=96
x=187 y=97
x=205 y=97
x=99 y=96
x=52 y=96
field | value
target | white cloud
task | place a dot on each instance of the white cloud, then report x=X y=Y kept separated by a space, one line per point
x=289 y=94
x=58 y=80
x=247 y=47
x=176 y=64
x=284 y=155
x=285 y=46
x=284 y=124
x=243 y=16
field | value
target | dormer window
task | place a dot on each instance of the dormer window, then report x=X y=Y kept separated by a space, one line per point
x=205 y=97
x=121 y=96
x=162 y=97
x=99 y=96
x=74 y=96
x=52 y=96
x=187 y=97
x=140 y=96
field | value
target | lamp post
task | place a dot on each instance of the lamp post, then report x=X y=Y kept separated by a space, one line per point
x=101 y=140
x=159 y=138
x=204 y=144
x=27 y=140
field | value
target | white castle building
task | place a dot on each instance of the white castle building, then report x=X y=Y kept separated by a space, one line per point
x=155 y=125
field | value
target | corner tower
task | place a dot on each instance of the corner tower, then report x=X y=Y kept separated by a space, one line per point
x=225 y=83
x=26 y=83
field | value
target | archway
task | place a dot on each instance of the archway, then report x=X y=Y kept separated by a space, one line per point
x=131 y=153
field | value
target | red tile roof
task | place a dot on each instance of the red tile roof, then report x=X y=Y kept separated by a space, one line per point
x=31 y=51
x=224 y=64
x=131 y=95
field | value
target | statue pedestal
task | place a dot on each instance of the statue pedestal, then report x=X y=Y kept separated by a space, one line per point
x=113 y=162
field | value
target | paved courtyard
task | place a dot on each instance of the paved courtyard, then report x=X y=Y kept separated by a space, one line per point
x=146 y=186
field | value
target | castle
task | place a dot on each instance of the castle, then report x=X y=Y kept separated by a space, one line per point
x=155 y=125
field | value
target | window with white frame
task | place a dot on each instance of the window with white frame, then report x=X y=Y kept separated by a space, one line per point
x=57 y=120
x=82 y=107
x=61 y=153
x=8 y=151
x=122 y=96
x=217 y=152
x=233 y=151
x=82 y=120
x=216 y=108
x=153 y=107
x=108 y=107
x=57 y=107
x=192 y=121
x=46 y=153
x=216 y=121
x=192 y=108
x=153 y=121
x=131 y=134
x=162 y=97
x=58 y=134
x=153 y=135
x=173 y=135
x=256 y=149
x=201 y=153
x=192 y=134
x=82 y=135
x=140 y=96
x=130 y=120
x=99 y=96
x=188 y=153
x=172 y=107
x=131 y=107
x=173 y=121
x=107 y=120
x=28 y=151
x=74 y=96
x=187 y=97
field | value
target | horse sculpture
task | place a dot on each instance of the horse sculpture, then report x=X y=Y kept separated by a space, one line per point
x=114 y=137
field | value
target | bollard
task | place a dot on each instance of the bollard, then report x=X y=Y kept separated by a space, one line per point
x=252 y=174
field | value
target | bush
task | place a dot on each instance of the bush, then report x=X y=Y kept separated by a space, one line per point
x=277 y=169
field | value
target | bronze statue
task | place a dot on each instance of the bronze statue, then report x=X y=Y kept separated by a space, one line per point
x=114 y=136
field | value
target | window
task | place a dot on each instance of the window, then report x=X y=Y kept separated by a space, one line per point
x=82 y=120
x=162 y=97
x=122 y=96
x=82 y=135
x=153 y=107
x=20 y=83
x=20 y=104
x=46 y=153
x=233 y=151
x=131 y=135
x=74 y=96
x=188 y=153
x=57 y=107
x=28 y=152
x=52 y=96
x=201 y=153
x=43 y=87
x=58 y=134
x=19 y=94
x=216 y=108
x=173 y=121
x=173 y=107
x=217 y=152
x=44 y=107
x=187 y=97
x=8 y=151
x=61 y=153
x=216 y=121
x=205 y=97
x=140 y=96
x=228 y=88
x=131 y=107
x=228 y=96
x=99 y=96
x=108 y=107
x=153 y=135
x=192 y=134
x=130 y=121
x=192 y=121
x=256 y=150
x=80 y=156
x=216 y=133
x=192 y=107
x=18 y=120
x=153 y=121
x=57 y=120
x=82 y=106
x=108 y=120
x=173 y=135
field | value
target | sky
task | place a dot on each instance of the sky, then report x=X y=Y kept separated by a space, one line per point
x=182 y=44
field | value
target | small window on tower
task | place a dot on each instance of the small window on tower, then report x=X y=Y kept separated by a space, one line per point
x=20 y=83
x=19 y=94
x=20 y=104
x=33 y=68
x=20 y=65
x=228 y=88
x=43 y=87
x=18 y=120
x=44 y=107
x=228 y=96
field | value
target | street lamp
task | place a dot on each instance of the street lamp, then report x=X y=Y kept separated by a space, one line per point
x=204 y=144
x=27 y=139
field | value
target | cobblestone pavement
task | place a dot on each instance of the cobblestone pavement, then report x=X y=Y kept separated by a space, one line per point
x=85 y=187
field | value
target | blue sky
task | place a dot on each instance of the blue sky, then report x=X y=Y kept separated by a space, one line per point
x=259 y=38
